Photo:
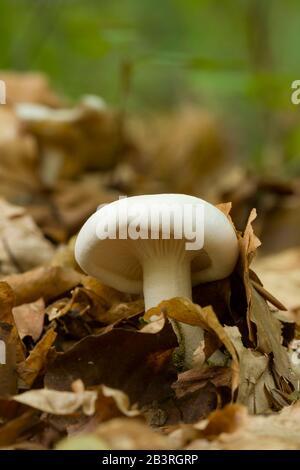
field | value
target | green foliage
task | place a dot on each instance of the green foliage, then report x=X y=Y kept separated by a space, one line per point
x=235 y=56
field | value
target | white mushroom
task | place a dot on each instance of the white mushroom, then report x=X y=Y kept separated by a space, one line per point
x=160 y=245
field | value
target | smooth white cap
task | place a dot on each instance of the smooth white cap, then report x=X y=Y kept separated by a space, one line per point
x=117 y=262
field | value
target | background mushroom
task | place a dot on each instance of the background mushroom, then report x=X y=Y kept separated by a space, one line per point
x=159 y=264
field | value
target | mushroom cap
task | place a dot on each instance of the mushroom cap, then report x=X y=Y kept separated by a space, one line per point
x=38 y=113
x=118 y=262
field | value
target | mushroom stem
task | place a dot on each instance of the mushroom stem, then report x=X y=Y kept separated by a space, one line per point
x=164 y=277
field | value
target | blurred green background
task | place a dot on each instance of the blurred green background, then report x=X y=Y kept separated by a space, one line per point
x=235 y=57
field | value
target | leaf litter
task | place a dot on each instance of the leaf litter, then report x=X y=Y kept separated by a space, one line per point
x=84 y=367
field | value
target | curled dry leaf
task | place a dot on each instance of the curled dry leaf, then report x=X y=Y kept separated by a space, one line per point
x=255 y=375
x=22 y=244
x=235 y=430
x=60 y=403
x=228 y=420
x=122 y=311
x=45 y=282
x=29 y=369
x=110 y=403
x=97 y=302
x=110 y=295
x=29 y=319
x=269 y=339
x=121 y=400
x=194 y=379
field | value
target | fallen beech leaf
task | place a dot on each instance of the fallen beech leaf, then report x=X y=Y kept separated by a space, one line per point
x=29 y=319
x=194 y=379
x=110 y=295
x=263 y=327
x=122 y=311
x=78 y=302
x=248 y=245
x=121 y=400
x=249 y=241
x=60 y=403
x=45 y=282
x=110 y=403
x=255 y=375
x=228 y=420
x=278 y=431
x=127 y=360
x=36 y=361
x=22 y=244
x=225 y=207
x=269 y=338
x=101 y=303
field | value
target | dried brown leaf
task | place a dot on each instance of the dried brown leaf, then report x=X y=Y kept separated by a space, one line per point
x=60 y=403
x=132 y=361
x=278 y=431
x=269 y=338
x=194 y=379
x=255 y=375
x=22 y=244
x=45 y=282
x=29 y=319
x=29 y=369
